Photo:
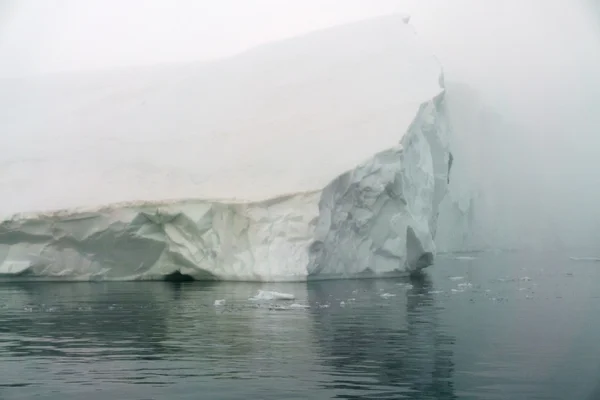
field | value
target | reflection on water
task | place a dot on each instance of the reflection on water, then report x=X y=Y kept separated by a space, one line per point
x=477 y=327
x=161 y=339
x=383 y=347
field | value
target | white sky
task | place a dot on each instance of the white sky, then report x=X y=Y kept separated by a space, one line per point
x=483 y=41
x=58 y=35
x=63 y=35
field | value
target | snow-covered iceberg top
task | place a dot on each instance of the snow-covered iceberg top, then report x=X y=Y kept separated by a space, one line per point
x=327 y=153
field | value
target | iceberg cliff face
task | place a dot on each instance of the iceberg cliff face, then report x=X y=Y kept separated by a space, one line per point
x=330 y=148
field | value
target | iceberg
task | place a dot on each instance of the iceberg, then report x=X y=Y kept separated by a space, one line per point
x=321 y=156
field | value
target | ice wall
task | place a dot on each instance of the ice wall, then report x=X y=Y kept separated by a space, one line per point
x=321 y=156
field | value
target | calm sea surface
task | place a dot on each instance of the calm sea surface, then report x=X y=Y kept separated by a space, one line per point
x=482 y=326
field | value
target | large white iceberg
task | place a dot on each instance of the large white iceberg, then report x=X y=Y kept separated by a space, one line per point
x=320 y=156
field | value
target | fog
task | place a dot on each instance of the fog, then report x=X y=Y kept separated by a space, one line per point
x=522 y=77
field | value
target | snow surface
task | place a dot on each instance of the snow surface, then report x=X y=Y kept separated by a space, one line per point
x=320 y=156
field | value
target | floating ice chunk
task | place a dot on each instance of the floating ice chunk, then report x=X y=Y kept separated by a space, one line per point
x=525 y=279
x=435 y=291
x=456 y=278
x=342 y=304
x=219 y=303
x=263 y=295
x=297 y=306
x=457 y=290
x=387 y=295
x=465 y=258
x=405 y=285
x=465 y=285
x=278 y=307
x=588 y=259
x=323 y=305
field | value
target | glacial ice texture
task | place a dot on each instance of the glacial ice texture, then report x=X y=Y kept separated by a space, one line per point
x=323 y=156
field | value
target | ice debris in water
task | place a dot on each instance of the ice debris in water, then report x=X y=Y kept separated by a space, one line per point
x=342 y=304
x=278 y=307
x=268 y=295
x=387 y=295
x=435 y=291
x=588 y=259
x=297 y=306
x=405 y=285
x=456 y=278
x=457 y=290
x=465 y=258
x=220 y=302
x=525 y=279
x=465 y=285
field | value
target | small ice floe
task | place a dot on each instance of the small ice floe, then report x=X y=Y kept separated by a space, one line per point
x=457 y=290
x=465 y=258
x=585 y=259
x=435 y=291
x=465 y=285
x=387 y=295
x=525 y=279
x=456 y=278
x=265 y=295
x=522 y=289
x=323 y=305
x=219 y=303
x=342 y=304
x=297 y=306
x=278 y=307
x=405 y=285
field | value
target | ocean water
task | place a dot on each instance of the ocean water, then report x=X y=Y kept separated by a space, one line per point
x=477 y=326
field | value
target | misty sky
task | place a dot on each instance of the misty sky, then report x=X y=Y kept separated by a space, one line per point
x=485 y=42
x=63 y=35
x=58 y=35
